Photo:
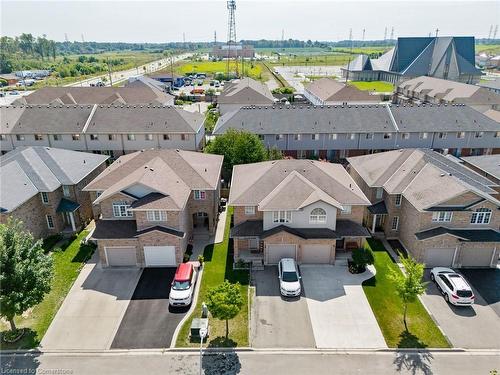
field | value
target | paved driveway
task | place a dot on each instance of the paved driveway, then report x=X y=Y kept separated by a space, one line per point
x=487 y=283
x=475 y=327
x=93 y=308
x=277 y=322
x=148 y=321
x=341 y=316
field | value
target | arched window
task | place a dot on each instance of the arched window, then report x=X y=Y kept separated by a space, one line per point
x=317 y=216
x=481 y=216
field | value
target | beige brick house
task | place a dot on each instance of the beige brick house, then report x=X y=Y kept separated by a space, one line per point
x=443 y=213
x=151 y=204
x=42 y=187
x=308 y=210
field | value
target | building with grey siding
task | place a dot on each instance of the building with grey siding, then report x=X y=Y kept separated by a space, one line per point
x=108 y=129
x=335 y=132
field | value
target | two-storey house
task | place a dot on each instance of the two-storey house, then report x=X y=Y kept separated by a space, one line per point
x=303 y=209
x=152 y=202
x=42 y=187
x=443 y=213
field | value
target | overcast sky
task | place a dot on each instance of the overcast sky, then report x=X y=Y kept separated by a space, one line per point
x=162 y=21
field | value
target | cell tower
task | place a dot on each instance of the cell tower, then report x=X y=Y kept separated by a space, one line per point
x=232 y=61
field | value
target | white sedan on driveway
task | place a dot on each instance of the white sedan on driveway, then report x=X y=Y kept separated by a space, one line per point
x=289 y=277
x=453 y=286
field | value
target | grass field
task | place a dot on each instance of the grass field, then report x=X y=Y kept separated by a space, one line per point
x=377 y=86
x=388 y=309
x=67 y=264
x=492 y=49
x=218 y=267
x=251 y=69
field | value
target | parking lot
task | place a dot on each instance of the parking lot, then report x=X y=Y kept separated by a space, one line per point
x=332 y=312
x=148 y=321
x=471 y=327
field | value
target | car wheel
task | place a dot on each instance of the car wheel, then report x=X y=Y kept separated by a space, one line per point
x=446 y=297
x=432 y=277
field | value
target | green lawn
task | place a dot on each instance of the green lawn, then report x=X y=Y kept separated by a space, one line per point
x=67 y=264
x=388 y=309
x=377 y=86
x=252 y=69
x=219 y=267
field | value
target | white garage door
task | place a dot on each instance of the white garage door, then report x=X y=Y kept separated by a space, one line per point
x=121 y=256
x=440 y=257
x=274 y=253
x=159 y=256
x=315 y=254
x=476 y=257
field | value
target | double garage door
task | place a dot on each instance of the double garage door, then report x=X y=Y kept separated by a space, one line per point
x=313 y=254
x=154 y=256
x=443 y=257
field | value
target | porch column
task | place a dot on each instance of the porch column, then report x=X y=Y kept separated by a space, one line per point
x=374 y=222
x=72 y=219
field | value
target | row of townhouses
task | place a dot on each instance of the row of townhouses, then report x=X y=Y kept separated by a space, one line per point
x=335 y=132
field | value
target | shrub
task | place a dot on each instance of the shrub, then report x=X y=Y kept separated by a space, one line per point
x=361 y=257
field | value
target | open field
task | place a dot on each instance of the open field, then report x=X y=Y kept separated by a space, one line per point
x=377 y=86
x=492 y=49
x=68 y=260
x=251 y=69
x=388 y=308
x=218 y=267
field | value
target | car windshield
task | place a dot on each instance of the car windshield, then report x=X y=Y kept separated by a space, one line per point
x=180 y=285
x=464 y=293
x=290 y=277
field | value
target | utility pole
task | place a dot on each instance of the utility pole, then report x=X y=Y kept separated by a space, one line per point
x=109 y=73
x=350 y=57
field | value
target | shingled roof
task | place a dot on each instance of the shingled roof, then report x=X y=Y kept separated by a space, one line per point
x=26 y=171
x=293 y=184
x=330 y=90
x=245 y=91
x=168 y=175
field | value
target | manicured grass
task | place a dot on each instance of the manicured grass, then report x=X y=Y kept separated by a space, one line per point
x=218 y=267
x=251 y=69
x=67 y=265
x=388 y=309
x=377 y=86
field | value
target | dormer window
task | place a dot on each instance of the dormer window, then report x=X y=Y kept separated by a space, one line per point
x=317 y=216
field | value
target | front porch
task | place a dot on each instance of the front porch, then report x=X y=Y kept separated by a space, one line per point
x=71 y=221
x=375 y=218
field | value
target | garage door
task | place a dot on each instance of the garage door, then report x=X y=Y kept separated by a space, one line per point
x=121 y=256
x=159 y=256
x=274 y=253
x=476 y=257
x=315 y=254
x=440 y=257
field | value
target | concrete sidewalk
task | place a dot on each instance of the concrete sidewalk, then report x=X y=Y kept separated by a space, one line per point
x=93 y=309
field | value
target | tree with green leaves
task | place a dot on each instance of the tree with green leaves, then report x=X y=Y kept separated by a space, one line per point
x=238 y=147
x=224 y=302
x=25 y=271
x=409 y=285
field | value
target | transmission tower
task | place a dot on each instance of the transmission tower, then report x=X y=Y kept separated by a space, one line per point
x=232 y=61
x=364 y=35
x=495 y=32
x=491 y=31
x=392 y=33
x=385 y=34
x=83 y=39
x=67 y=40
x=215 y=38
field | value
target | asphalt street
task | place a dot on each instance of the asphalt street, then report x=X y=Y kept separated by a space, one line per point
x=276 y=363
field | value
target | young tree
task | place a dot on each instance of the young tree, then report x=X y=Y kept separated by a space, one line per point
x=238 y=147
x=274 y=153
x=408 y=285
x=224 y=302
x=25 y=271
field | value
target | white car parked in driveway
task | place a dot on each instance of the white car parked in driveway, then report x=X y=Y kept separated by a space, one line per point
x=453 y=286
x=289 y=276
